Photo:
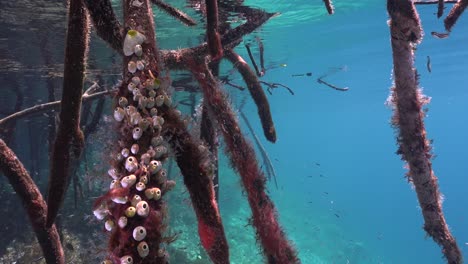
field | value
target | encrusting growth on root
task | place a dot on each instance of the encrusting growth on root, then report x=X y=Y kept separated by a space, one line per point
x=408 y=117
x=33 y=203
x=196 y=168
x=69 y=141
x=276 y=247
x=134 y=208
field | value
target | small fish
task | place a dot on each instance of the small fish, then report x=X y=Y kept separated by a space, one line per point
x=325 y=193
x=439 y=35
x=318 y=164
x=428 y=64
x=283 y=65
x=337 y=216
x=302 y=74
x=37 y=259
x=179 y=88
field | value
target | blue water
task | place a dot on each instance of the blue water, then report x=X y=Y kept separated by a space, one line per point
x=342 y=196
x=349 y=135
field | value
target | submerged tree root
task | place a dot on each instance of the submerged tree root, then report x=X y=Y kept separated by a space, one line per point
x=406 y=32
x=70 y=140
x=33 y=203
x=276 y=247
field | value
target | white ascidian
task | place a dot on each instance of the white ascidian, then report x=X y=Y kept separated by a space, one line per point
x=138 y=50
x=143 y=249
x=126 y=260
x=142 y=208
x=140 y=186
x=154 y=166
x=120 y=200
x=136 y=199
x=113 y=173
x=109 y=225
x=137 y=133
x=140 y=65
x=125 y=152
x=139 y=233
x=131 y=164
x=132 y=39
x=128 y=181
x=123 y=102
x=122 y=222
x=101 y=212
x=115 y=184
x=119 y=114
x=132 y=67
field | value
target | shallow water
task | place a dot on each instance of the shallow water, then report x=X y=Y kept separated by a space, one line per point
x=342 y=196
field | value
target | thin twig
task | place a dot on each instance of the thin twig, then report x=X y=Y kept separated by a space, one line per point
x=41 y=108
x=262 y=51
x=247 y=46
x=433 y=2
x=266 y=159
x=342 y=89
x=225 y=80
x=272 y=86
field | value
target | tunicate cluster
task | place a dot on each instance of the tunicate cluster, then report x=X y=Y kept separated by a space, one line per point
x=138 y=178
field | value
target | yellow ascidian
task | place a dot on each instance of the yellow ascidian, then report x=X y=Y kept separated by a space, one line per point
x=130 y=212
